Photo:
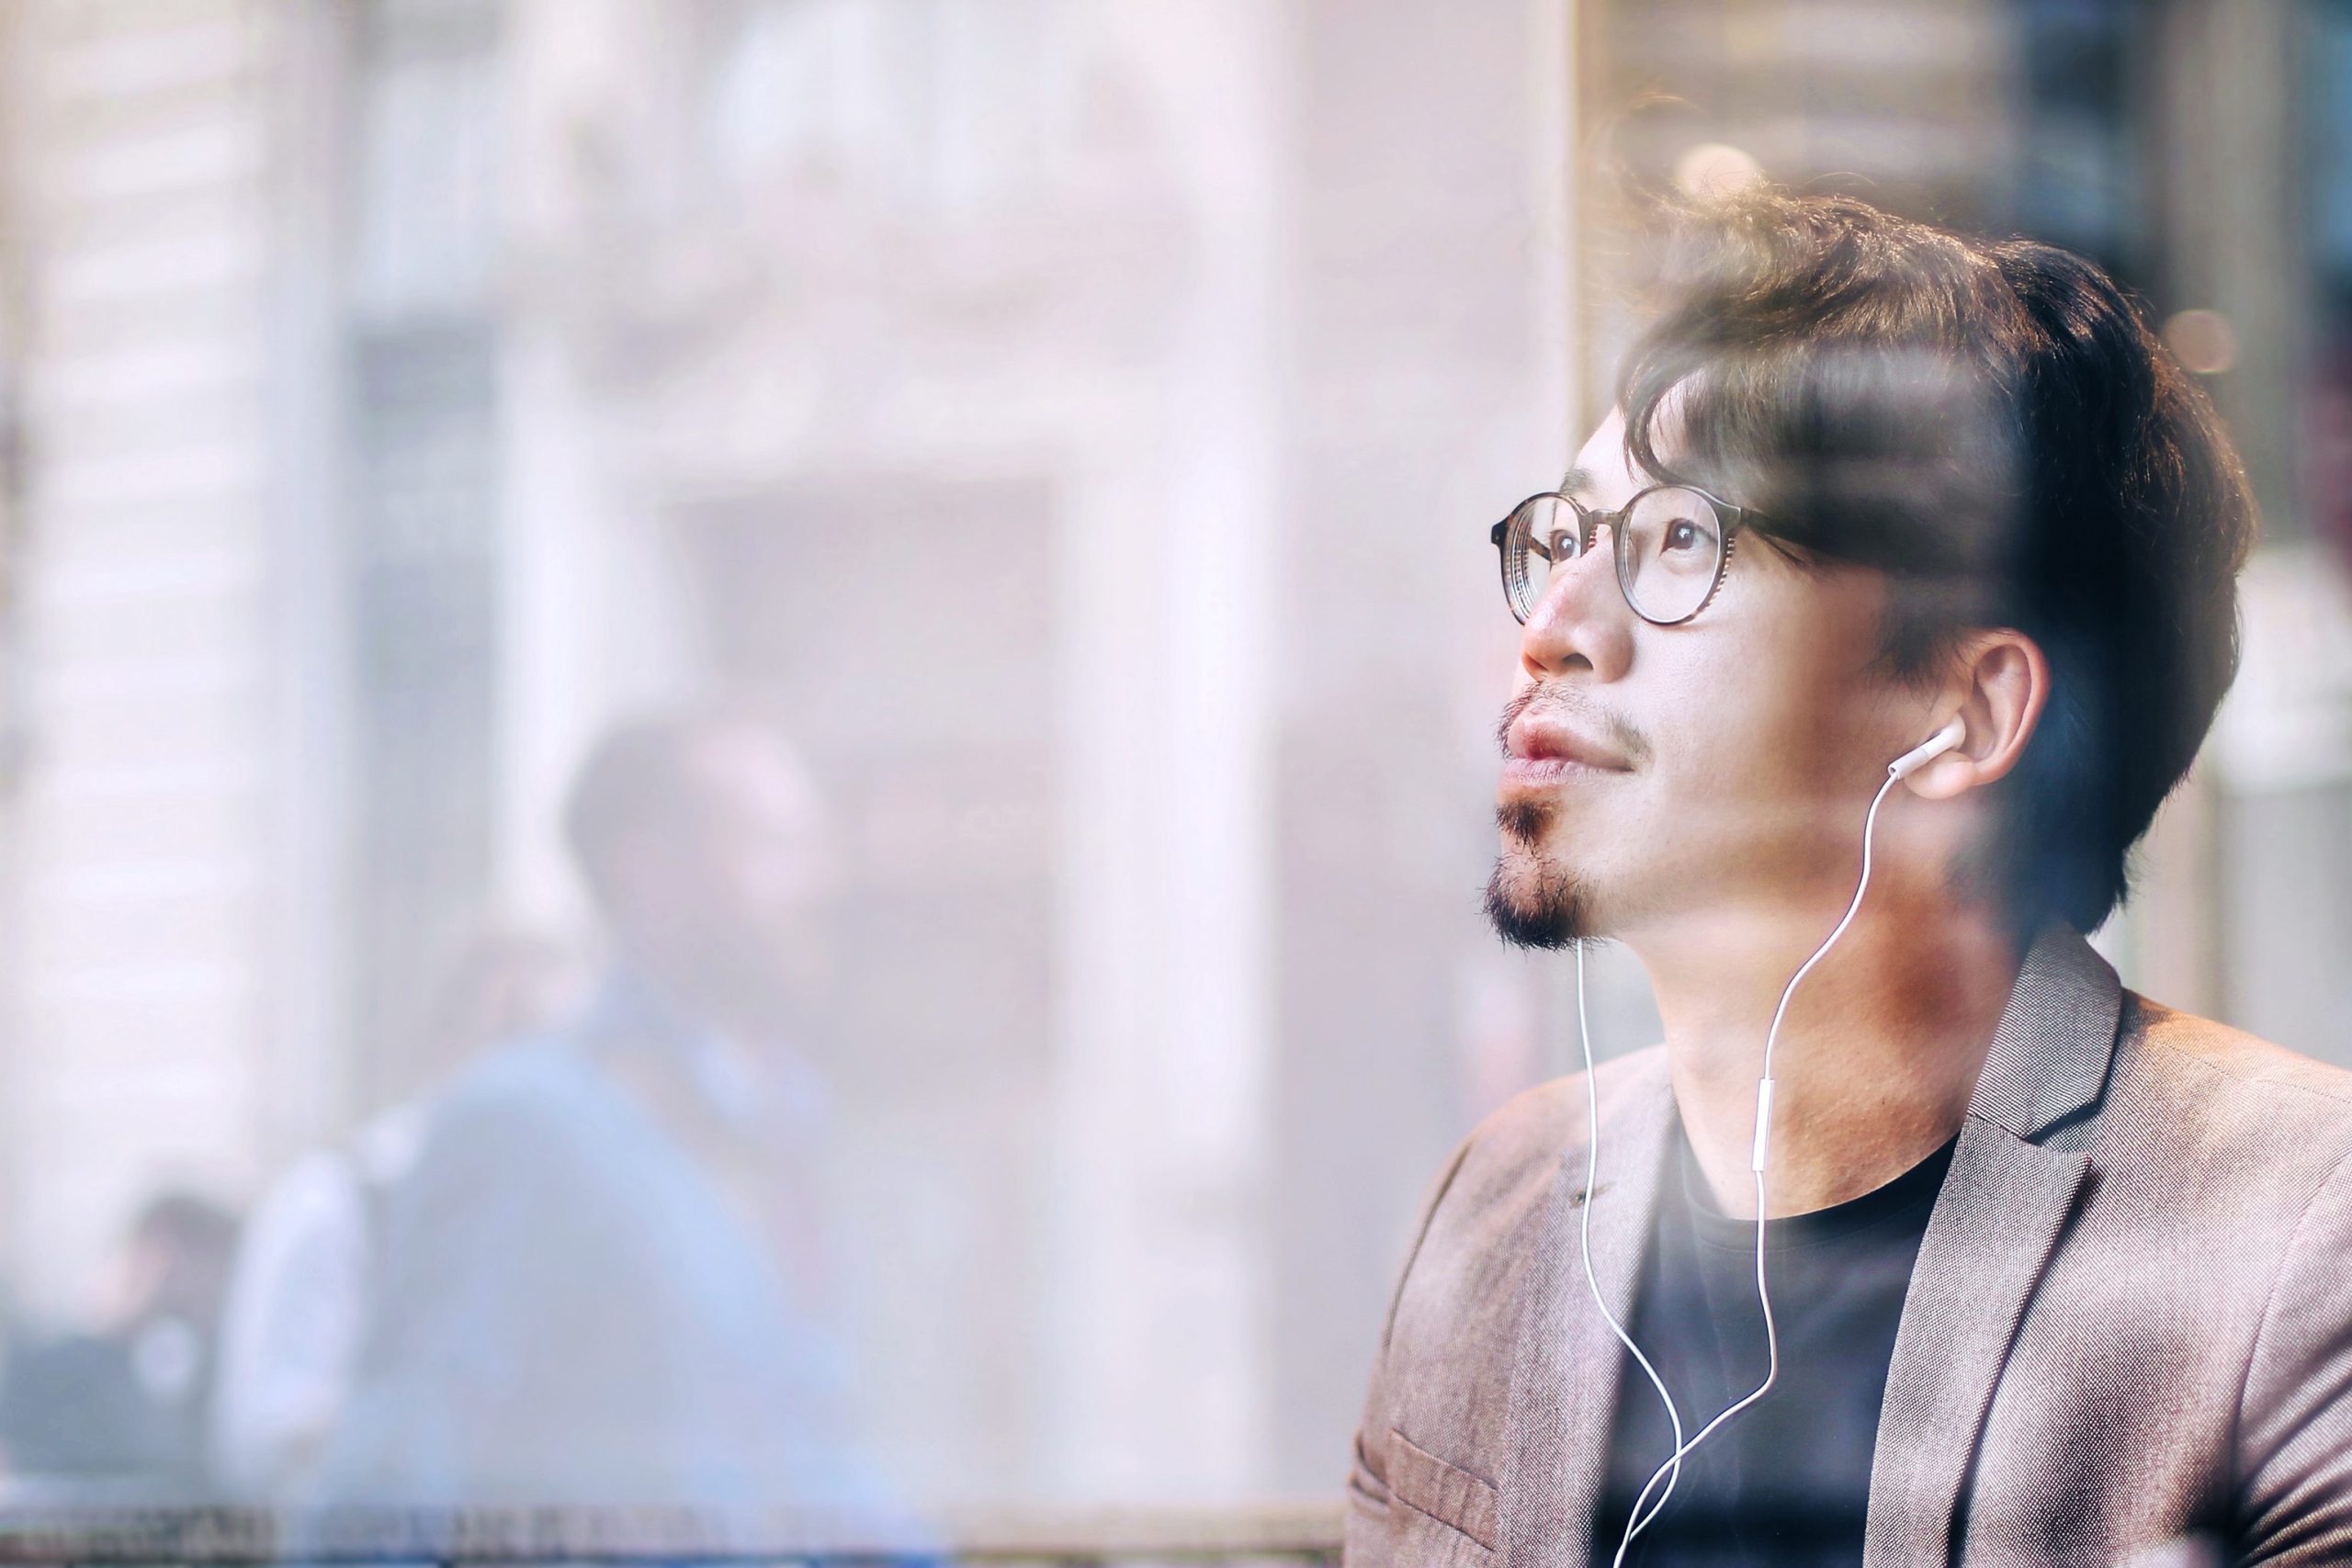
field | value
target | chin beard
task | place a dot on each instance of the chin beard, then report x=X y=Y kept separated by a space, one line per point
x=1531 y=903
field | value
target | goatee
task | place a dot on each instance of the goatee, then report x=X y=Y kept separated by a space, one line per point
x=1531 y=903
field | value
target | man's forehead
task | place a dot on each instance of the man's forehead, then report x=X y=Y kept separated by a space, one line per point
x=1601 y=474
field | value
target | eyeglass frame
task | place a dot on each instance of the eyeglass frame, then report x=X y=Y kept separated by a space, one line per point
x=1730 y=521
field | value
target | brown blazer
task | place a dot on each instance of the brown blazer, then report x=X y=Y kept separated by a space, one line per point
x=2131 y=1321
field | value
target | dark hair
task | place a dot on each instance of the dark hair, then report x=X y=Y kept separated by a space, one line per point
x=1993 y=423
x=196 y=1239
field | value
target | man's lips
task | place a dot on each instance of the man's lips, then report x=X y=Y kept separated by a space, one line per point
x=1537 y=747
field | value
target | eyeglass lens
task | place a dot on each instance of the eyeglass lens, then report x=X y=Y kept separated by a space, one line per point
x=1668 y=557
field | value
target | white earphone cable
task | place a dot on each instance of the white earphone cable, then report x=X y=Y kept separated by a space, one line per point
x=1584 y=1235
x=1671 y=1471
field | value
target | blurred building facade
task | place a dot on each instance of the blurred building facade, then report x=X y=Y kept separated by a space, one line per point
x=1078 y=424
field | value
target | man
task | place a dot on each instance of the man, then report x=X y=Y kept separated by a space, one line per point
x=2055 y=1274
x=600 y=1282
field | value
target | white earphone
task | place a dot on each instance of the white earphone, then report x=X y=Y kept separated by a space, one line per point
x=1636 y=1520
x=1927 y=751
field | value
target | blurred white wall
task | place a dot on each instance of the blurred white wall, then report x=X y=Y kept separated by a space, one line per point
x=155 y=633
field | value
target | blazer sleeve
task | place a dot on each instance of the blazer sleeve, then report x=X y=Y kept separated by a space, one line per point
x=1367 y=1528
x=2295 y=1413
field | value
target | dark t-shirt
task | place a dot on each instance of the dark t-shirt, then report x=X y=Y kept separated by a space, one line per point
x=1787 y=1481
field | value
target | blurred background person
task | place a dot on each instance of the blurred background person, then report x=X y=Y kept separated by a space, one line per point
x=116 y=1413
x=599 y=1281
x=298 y=1300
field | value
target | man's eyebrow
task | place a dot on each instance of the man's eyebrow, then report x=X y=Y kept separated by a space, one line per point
x=1575 y=480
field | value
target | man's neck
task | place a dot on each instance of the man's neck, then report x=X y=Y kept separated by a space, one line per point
x=690 y=1000
x=1874 y=1062
x=703 y=1064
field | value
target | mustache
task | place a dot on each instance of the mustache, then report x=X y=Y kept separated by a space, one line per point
x=1574 y=710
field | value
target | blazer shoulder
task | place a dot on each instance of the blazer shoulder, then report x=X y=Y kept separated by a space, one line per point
x=2244 y=1062
x=2222 y=1087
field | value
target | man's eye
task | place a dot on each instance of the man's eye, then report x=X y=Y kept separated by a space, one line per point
x=1682 y=536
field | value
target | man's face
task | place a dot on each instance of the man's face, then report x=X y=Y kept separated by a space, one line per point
x=757 y=859
x=1658 y=777
x=728 y=888
x=759 y=841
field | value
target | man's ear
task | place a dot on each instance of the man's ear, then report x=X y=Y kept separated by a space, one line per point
x=1996 y=683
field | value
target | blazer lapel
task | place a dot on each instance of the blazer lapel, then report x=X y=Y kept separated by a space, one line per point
x=1994 y=1231
x=1563 y=1378
x=1988 y=1243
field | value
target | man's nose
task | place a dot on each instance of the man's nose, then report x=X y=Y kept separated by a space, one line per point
x=1582 y=622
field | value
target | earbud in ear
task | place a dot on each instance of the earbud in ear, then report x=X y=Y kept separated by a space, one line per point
x=1927 y=751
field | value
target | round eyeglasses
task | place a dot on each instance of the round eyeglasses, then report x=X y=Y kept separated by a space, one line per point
x=1673 y=544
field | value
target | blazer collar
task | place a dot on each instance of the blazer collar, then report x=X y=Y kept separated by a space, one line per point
x=2055 y=1041
x=1992 y=1235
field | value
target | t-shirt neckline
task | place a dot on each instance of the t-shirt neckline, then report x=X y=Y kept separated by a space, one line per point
x=1905 y=1195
